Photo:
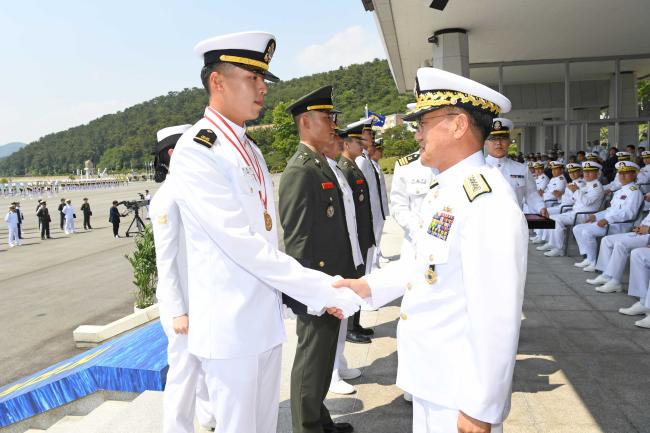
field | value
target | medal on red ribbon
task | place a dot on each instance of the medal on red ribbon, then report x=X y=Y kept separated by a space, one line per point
x=251 y=161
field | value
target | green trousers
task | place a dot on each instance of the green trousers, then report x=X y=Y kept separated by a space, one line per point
x=312 y=372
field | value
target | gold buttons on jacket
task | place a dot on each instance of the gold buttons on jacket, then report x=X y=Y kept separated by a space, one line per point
x=409 y=285
x=321 y=264
x=403 y=316
x=430 y=258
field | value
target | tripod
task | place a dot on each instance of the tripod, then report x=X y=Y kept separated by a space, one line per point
x=139 y=224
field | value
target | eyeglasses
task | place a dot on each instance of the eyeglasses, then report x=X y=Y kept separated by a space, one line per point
x=420 y=123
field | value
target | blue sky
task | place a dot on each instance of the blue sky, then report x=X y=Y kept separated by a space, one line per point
x=67 y=62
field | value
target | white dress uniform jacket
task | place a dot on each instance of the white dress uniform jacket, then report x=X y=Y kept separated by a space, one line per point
x=457 y=338
x=411 y=183
x=541 y=181
x=557 y=183
x=589 y=197
x=365 y=165
x=614 y=185
x=623 y=207
x=521 y=181
x=234 y=264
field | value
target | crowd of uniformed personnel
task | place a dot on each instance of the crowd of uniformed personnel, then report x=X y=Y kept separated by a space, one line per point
x=223 y=281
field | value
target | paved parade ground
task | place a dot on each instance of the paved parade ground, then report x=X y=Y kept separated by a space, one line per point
x=582 y=367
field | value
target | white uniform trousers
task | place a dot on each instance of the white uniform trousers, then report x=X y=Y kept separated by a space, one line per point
x=13 y=235
x=431 y=418
x=245 y=392
x=557 y=235
x=374 y=252
x=340 y=363
x=69 y=225
x=185 y=387
x=544 y=233
x=640 y=275
x=614 y=252
x=587 y=234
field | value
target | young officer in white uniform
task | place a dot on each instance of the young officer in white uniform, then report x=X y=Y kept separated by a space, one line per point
x=587 y=199
x=375 y=192
x=644 y=173
x=411 y=183
x=224 y=192
x=517 y=174
x=613 y=255
x=461 y=311
x=185 y=382
x=623 y=207
x=639 y=285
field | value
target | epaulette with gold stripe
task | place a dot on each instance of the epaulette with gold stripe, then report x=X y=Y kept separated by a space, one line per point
x=408 y=158
x=206 y=137
x=475 y=185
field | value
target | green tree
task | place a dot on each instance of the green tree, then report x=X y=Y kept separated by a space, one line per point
x=286 y=135
x=399 y=141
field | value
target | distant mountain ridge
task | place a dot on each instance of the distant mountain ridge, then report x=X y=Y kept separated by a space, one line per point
x=125 y=139
x=9 y=148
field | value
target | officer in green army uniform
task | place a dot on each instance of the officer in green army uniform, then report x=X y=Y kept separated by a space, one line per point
x=315 y=233
x=353 y=148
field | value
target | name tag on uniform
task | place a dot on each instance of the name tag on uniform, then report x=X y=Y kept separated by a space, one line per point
x=517 y=176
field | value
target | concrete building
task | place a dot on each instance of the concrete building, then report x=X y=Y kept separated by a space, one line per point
x=570 y=68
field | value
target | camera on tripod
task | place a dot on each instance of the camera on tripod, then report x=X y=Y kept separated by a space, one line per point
x=134 y=206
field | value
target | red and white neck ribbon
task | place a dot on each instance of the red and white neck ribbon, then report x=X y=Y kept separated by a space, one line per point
x=250 y=158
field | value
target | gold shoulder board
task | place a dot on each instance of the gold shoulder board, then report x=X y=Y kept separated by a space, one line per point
x=475 y=185
x=402 y=161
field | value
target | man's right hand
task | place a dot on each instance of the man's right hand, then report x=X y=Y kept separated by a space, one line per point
x=359 y=286
x=467 y=424
x=181 y=324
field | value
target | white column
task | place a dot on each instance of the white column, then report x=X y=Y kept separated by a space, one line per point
x=451 y=51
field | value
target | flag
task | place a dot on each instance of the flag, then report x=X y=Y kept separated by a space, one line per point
x=378 y=119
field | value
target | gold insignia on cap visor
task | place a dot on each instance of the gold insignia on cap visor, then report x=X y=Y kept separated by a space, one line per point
x=444 y=98
x=244 y=61
x=497 y=125
x=320 y=107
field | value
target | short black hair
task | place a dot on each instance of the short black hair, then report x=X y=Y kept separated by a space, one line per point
x=581 y=152
x=482 y=121
x=209 y=69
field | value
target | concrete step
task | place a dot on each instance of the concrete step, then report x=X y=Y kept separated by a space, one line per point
x=99 y=417
x=65 y=424
x=142 y=415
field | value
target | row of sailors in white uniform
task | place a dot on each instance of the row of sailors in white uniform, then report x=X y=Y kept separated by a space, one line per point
x=617 y=246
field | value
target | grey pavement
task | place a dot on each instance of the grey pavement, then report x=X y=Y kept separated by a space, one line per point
x=50 y=287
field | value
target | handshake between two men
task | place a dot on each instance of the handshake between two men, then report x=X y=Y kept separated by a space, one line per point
x=348 y=297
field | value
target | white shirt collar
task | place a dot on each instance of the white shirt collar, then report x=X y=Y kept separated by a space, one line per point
x=457 y=172
x=492 y=161
x=239 y=131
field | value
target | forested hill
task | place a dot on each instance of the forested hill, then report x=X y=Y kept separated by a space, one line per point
x=125 y=139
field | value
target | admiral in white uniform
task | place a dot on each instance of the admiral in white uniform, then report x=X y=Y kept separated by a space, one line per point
x=224 y=192
x=623 y=207
x=185 y=384
x=461 y=311
x=588 y=198
x=517 y=174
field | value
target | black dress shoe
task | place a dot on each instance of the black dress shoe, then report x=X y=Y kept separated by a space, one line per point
x=355 y=337
x=364 y=331
x=338 y=427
